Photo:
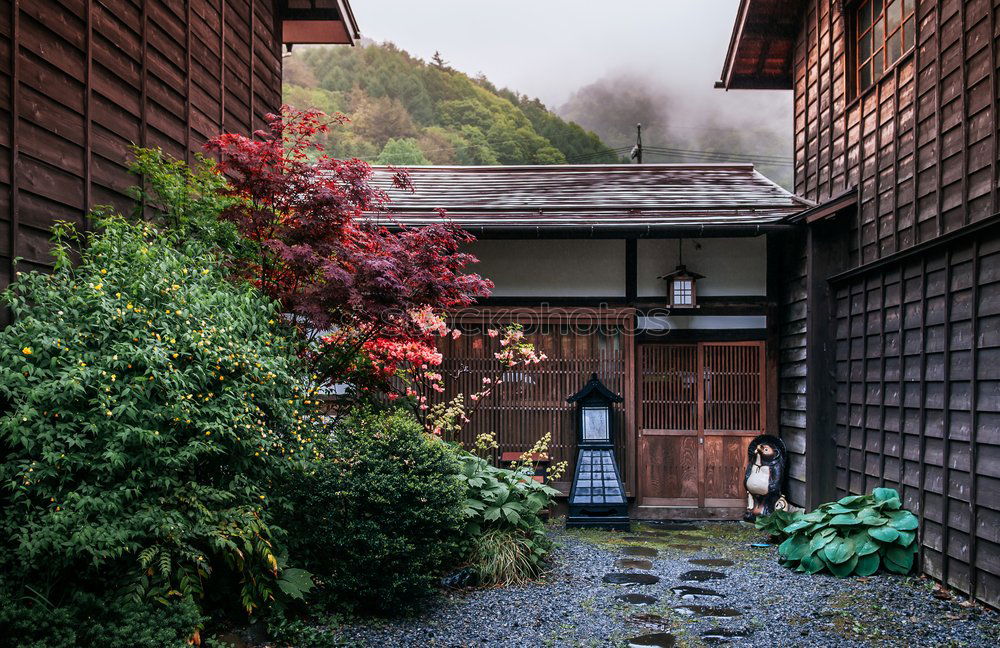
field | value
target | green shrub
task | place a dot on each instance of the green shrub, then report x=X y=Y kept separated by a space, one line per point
x=380 y=516
x=96 y=621
x=855 y=535
x=148 y=403
x=502 y=516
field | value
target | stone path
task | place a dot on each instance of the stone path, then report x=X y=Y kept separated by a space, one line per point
x=688 y=585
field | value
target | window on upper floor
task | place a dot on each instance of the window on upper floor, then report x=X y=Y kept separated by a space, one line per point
x=884 y=30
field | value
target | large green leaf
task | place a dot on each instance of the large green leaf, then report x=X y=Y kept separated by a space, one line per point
x=295 y=582
x=906 y=538
x=884 y=494
x=795 y=526
x=837 y=509
x=850 y=499
x=899 y=557
x=815 y=516
x=843 y=569
x=883 y=533
x=886 y=499
x=863 y=543
x=812 y=563
x=820 y=539
x=903 y=520
x=845 y=519
x=839 y=550
x=799 y=548
x=868 y=564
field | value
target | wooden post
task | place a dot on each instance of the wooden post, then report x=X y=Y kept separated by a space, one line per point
x=827 y=253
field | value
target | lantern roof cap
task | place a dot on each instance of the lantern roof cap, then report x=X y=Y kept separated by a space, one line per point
x=595 y=385
x=682 y=270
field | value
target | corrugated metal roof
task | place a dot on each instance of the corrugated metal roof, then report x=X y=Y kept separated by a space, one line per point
x=590 y=196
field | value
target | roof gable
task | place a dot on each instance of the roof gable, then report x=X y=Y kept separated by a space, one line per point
x=762 y=47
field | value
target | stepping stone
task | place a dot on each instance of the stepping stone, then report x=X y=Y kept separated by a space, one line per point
x=644 y=552
x=633 y=563
x=708 y=612
x=723 y=635
x=689 y=592
x=701 y=575
x=631 y=579
x=712 y=562
x=637 y=599
x=656 y=640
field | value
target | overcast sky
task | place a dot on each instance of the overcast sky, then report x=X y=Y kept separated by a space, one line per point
x=549 y=48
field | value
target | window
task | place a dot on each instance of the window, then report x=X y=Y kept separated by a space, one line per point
x=884 y=30
x=683 y=292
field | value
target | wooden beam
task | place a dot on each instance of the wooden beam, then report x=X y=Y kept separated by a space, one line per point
x=631 y=270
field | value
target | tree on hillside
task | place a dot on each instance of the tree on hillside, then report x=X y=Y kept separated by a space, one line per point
x=403 y=152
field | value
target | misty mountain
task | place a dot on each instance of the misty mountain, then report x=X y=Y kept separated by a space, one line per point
x=404 y=110
x=685 y=123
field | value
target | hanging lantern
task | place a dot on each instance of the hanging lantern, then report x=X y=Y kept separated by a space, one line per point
x=682 y=290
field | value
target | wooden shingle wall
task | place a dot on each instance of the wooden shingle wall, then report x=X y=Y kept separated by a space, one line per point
x=918 y=404
x=920 y=144
x=917 y=363
x=82 y=80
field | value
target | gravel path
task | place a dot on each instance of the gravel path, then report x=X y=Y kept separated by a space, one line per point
x=751 y=602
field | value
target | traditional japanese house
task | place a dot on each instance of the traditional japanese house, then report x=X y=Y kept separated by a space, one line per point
x=889 y=292
x=83 y=80
x=579 y=255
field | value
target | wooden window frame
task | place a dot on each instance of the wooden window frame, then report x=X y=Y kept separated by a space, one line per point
x=878 y=50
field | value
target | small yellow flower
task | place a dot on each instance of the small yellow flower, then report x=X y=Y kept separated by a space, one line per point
x=26 y=351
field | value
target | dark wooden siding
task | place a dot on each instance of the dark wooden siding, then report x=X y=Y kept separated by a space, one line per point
x=82 y=80
x=532 y=400
x=921 y=144
x=791 y=316
x=918 y=346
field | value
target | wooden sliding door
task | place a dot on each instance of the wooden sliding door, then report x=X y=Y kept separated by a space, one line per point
x=699 y=407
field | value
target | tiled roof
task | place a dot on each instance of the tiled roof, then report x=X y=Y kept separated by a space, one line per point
x=596 y=196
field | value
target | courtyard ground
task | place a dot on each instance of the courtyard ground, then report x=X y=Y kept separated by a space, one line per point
x=688 y=585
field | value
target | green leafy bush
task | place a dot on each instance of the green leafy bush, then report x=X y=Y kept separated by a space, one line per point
x=502 y=517
x=855 y=535
x=379 y=518
x=95 y=621
x=148 y=403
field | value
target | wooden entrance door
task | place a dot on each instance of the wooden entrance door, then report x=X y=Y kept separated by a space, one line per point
x=699 y=407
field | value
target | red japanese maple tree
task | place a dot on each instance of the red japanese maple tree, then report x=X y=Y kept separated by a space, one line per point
x=356 y=286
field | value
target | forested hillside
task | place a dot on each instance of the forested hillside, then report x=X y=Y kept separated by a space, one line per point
x=404 y=110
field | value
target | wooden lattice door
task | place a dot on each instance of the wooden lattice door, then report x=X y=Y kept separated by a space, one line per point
x=699 y=407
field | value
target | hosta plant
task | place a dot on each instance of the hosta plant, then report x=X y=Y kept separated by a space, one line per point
x=856 y=535
x=508 y=501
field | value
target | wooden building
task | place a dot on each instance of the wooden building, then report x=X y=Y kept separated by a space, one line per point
x=889 y=327
x=83 y=80
x=576 y=253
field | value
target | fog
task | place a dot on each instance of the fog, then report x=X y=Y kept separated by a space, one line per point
x=656 y=61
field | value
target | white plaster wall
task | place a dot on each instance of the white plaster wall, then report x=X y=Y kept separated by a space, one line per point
x=736 y=266
x=552 y=268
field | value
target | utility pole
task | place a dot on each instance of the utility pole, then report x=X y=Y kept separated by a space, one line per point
x=636 y=153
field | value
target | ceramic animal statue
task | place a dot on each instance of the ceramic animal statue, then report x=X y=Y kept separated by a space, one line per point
x=764 y=477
